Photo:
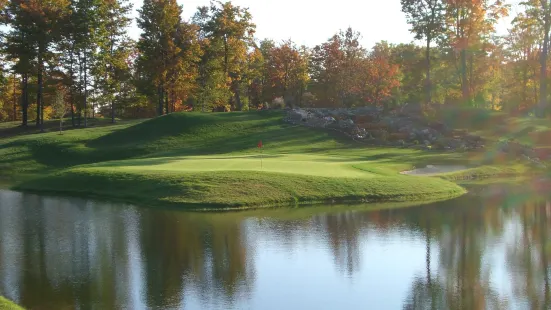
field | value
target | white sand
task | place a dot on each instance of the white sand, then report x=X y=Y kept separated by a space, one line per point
x=434 y=170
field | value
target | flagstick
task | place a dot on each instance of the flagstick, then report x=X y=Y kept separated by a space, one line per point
x=260 y=158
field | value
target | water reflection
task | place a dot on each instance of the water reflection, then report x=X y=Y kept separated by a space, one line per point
x=488 y=252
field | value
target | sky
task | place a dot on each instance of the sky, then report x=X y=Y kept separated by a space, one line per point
x=311 y=22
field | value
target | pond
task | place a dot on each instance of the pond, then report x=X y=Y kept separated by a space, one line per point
x=479 y=251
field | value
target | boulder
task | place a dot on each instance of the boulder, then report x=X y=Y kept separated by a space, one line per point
x=398 y=136
x=411 y=109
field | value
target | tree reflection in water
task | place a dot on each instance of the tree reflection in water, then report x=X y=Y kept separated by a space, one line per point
x=479 y=253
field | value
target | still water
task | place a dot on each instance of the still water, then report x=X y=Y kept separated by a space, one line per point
x=490 y=251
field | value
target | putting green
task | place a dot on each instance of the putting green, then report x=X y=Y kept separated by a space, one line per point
x=314 y=165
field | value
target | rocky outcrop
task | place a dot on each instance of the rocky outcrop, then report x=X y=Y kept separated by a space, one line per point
x=521 y=151
x=406 y=127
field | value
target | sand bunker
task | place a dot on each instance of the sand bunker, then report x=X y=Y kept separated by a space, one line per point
x=434 y=170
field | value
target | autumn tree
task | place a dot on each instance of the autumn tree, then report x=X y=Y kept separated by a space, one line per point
x=523 y=51
x=229 y=31
x=114 y=48
x=287 y=72
x=183 y=69
x=379 y=75
x=426 y=18
x=159 y=21
x=539 y=11
x=336 y=67
x=469 y=23
x=257 y=75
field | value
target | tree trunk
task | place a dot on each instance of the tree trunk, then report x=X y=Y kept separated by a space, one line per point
x=85 y=88
x=25 y=99
x=428 y=81
x=14 y=98
x=72 y=86
x=160 y=104
x=173 y=102
x=39 y=102
x=524 y=87
x=112 y=110
x=166 y=102
x=80 y=79
x=464 y=81
x=543 y=75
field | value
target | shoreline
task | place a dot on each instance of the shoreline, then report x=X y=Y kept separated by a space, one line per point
x=268 y=190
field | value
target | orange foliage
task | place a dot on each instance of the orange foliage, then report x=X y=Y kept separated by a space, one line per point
x=381 y=77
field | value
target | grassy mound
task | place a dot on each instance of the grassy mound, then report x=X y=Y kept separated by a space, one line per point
x=197 y=183
x=8 y=305
x=212 y=160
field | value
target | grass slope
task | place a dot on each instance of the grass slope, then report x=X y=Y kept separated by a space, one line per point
x=8 y=305
x=211 y=160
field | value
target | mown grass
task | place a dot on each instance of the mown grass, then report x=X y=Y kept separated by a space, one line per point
x=212 y=161
x=8 y=305
x=233 y=189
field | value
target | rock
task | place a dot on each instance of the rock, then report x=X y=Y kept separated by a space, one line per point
x=411 y=109
x=362 y=119
x=401 y=127
x=404 y=129
x=346 y=123
x=398 y=136
x=373 y=126
x=438 y=126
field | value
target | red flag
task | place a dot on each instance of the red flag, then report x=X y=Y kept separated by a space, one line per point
x=259 y=144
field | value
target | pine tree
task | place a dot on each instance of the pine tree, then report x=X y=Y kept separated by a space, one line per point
x=20 y=47
x=46 y=27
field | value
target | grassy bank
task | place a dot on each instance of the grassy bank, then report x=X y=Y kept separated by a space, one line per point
x=234 y=189
x=212 y=161
x=8 y=305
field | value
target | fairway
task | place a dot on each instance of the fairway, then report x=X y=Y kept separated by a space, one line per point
x=313 y=165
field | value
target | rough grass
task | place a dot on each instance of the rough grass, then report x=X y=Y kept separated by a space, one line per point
x=211 y=160
x=8 y=305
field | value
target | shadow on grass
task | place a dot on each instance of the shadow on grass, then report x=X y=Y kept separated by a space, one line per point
x=168 y=160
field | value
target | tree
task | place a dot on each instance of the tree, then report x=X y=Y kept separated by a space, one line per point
x=287 y=72
x=183 y=65
x=20 y=47
x=59 y=107
x=540 y=11
x=380 y=76
x=427 y=19
x=336 y=69
x=229 y=31
x=523 y=52
x=45 y=18
x=468 y=24
x=114 y=48
x=159 y=21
